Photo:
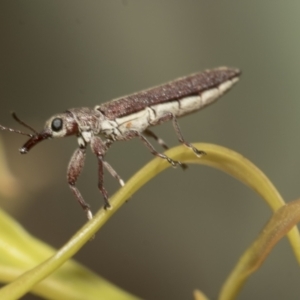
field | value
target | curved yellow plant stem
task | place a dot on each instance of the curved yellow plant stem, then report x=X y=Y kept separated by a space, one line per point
x=218 y=157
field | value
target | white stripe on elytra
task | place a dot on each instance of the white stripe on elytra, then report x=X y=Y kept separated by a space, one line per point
x=141 y=120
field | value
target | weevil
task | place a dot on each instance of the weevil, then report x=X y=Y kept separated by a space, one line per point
x=129 y=117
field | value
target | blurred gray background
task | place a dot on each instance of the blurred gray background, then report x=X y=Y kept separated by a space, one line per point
x=56 y=55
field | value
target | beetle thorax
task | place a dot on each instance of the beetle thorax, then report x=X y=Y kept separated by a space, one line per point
x=88 y=121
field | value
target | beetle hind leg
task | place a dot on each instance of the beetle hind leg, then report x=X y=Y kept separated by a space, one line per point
x=134 y=133
x=162 y=143
x=170 y=116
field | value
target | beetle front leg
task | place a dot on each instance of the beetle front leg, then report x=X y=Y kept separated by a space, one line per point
x=100 y=182
x=74 y=169
x=99 y=149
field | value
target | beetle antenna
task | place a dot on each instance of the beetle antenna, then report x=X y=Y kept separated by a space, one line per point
x=23 y=123
x=15 y=131
x=19 y=131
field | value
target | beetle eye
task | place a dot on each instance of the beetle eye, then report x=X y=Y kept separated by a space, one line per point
x=57 y=124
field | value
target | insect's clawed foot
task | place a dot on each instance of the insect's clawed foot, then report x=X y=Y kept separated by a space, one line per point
x=183 y=166
x=107 y=206
x=174 y=163
x=198 y=153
